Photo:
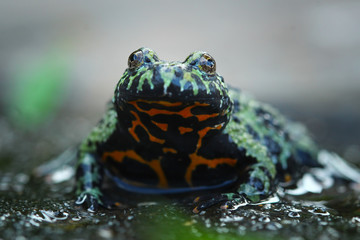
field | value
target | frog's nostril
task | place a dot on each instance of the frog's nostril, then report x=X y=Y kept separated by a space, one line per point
x=147 y=59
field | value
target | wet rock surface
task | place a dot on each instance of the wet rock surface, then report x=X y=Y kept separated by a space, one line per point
x=39 y=215
x=34 y=207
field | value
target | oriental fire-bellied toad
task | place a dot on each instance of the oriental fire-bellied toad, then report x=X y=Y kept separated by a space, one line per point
x=175 y=127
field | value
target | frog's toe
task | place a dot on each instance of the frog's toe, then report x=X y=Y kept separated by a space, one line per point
x=227 y=201
x=206 y=201
x=235 y=203
x=89 y=201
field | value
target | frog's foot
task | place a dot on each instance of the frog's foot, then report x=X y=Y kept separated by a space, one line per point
x=227 y=200
x=91 y=201
x=238 y=201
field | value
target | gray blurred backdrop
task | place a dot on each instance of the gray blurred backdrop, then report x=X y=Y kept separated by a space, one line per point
x=302 y=56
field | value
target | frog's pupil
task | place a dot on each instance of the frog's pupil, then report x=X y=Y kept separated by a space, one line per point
x=210 y=63
x=135 y=59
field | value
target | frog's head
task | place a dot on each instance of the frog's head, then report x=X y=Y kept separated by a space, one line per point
x=187 y=95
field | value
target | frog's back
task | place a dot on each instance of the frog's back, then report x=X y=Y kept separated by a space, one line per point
x=287 y=143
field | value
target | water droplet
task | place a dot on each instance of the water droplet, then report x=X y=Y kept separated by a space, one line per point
x=22 y=178
x=294 y=214
x=75 y=219
x=232 y=219
x=273 y=226
x=63 y=174
x=105 y=233
x=322 y=223
x=145 y=204
x=295 y=210
x=319 y=211
x=264 y=219
x=356 y=220
x=208 y=223
x=222 y=230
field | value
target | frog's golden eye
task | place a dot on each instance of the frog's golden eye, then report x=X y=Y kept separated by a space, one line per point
x=135 y=59
x=207 y=64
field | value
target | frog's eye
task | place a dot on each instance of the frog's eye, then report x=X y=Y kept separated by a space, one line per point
x=207 y=64
x=135 y=59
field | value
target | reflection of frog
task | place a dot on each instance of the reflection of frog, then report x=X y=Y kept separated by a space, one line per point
x=176 y=127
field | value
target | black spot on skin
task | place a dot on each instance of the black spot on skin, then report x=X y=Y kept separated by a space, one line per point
x=268 y=119
x=260 y=112
x=286 y=136
x=193 y=63
x=88 y=184
x=133 y=73
x=273 y=147
x=147 y=59
x=252 y=132
x=305 y=158
x=236 y=106
x=196 y=78
x=188 y=88
x=83 y=168
x=236 y=119
x=266 y=171
x=270 y=122
x=257 y=183
x=178 y=72
x=101 y=121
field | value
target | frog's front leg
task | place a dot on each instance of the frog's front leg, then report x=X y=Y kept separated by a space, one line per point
x=89 y=175
x=259 y=185
x=260 y=176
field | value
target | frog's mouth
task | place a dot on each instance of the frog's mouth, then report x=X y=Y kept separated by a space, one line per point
x=173 y=101
x=200 y=110
x=172 y=94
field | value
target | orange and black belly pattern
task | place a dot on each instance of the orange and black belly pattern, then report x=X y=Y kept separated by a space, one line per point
x=169 y=145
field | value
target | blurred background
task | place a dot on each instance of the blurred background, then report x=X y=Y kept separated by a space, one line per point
x=60 y=62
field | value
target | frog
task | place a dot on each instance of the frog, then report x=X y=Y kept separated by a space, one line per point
x=176 y=127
